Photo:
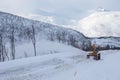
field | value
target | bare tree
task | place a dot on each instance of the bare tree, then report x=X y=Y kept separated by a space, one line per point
x=73 y=41
x=1 y=48
x=63 y=35
x=34 y=39
x=51 y=36
x=5 y=52
x=12 y=39
x=58 y=36
x=30 y=35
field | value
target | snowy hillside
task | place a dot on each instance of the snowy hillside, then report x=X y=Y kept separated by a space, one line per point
x=107 y=42
x=17 y=32
x=100 y=23
x=23 y=28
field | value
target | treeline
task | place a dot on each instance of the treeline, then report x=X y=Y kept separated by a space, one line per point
x=66 y=37
x=99 y=48
x=10 y=33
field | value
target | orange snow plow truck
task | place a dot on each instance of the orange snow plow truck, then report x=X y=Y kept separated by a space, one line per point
x=94 y=53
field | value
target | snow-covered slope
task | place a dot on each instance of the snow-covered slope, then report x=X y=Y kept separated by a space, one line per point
x=67 y=65
x=56 y=58
x=104 y=43
x=100 y=23
x=107 y=42
x=22 y=29
x=44 y=47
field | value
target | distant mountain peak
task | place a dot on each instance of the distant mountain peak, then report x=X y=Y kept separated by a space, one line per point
x=101 y=9
x=97 y=24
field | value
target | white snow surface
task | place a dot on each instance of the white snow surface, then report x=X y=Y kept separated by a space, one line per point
x=66 y=63
x=52 y=58
x=100 y=23
x=105 y=69
x=43 y=47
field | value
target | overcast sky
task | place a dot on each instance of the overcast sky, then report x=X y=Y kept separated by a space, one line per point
x=66 y=13
x=63 y=12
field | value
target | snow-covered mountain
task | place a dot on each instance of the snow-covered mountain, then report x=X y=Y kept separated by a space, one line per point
x=100 y=23
x=21 y=29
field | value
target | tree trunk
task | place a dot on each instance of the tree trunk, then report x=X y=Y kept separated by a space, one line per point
x=34 y=40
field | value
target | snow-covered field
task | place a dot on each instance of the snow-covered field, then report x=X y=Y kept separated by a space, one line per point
x=106 y=69
x=52 y=58
x=66 y=63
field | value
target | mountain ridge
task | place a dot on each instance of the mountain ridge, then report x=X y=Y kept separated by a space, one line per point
x=23 y=27
x=97 y=24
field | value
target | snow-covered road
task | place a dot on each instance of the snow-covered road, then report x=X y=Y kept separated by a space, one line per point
x=108 y=68
x=63 y=66
x=40 y=67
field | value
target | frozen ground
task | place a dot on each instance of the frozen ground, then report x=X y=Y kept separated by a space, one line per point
x=52 y=58
x=67 y=63
x=106 y=69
